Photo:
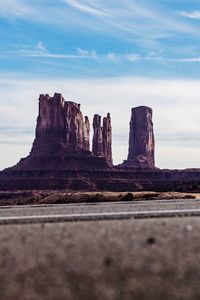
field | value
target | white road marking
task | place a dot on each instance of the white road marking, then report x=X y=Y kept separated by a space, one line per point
x=98 y=216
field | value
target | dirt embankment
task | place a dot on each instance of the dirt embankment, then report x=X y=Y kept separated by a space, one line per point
x=63 y=197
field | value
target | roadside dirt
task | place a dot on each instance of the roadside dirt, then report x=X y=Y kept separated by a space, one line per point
x=62 y=197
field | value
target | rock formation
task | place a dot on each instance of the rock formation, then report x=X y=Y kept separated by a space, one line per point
x=60 y=122
x=60 y=156
x=97 y=142
x=141 y=139
x=62 y=139
x=107 y=138
x=86 y=134
x=102 y=138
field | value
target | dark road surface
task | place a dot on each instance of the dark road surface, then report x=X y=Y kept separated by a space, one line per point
x=153 y=256
x=99 y=211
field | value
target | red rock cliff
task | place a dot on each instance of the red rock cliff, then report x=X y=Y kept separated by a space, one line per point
x=141 y=138
x=107 y=138
x=102 y=138
x=62 y=143
x=61 y=122
x=97 y=142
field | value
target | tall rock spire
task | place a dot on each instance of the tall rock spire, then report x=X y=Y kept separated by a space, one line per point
x=97 y=142
x=86 y=134
x=102 y=138
x=141 y=138
x=107 y=138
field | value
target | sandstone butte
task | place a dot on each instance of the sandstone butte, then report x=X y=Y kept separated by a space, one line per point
x=61 y=158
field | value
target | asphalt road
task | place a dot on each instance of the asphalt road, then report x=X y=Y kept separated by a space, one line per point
x=98 y=211
x=151 y=257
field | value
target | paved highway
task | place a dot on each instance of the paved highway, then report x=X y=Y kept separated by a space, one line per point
x=112 y=251
x=99 y=211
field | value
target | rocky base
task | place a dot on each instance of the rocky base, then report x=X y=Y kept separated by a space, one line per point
x=55 y=162
x=133 y=164
x=101 y=180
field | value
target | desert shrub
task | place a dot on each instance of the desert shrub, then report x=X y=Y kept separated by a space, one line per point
x=128 y=197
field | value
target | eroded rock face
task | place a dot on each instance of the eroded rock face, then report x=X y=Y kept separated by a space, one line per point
x=50 y=121
x=61 y=122
x=86 y=134
x=62 y=142
x=141 y=138
x=107 y=138
x=102 y=138
x=97 y=142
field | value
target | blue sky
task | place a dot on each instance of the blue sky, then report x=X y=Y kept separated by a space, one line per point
x=100 y=38
x=79 y=47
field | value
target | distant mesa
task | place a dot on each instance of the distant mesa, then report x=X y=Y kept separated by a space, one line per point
x=62 y=138
x=62 y=156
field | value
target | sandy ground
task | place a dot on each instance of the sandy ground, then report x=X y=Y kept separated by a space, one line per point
x=53 y=197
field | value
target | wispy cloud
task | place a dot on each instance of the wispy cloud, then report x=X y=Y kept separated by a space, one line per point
x=132 y=20
x=116 y=57
x=81 y=5
x=87 y=53
x=136 y=57
x=191 y=14
x=40 y=50
x=134 y=17
x=16 y=8
x=189 y=60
